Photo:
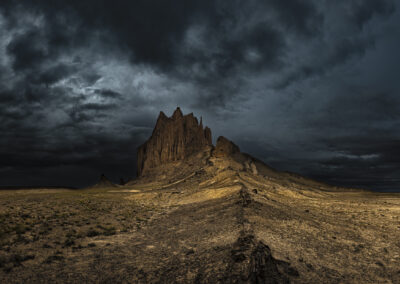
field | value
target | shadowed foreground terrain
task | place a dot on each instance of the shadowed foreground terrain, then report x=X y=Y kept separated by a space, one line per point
x=216 y=216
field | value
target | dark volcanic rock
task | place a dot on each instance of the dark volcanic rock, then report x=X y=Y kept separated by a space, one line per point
x=173 y=138
x=225 y=147
x=254 y=263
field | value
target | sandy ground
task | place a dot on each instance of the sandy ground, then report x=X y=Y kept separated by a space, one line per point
x=224 y=224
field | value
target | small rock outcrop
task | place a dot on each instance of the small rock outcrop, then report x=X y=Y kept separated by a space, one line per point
x=103 y=182
x=225 y=148
x=173 y=138
x=253 y=263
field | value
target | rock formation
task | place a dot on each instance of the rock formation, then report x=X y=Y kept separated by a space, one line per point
x=225 y=148
x=103 y=182
x=173 y=138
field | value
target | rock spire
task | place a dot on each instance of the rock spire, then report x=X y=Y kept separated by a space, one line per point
x=173 y=138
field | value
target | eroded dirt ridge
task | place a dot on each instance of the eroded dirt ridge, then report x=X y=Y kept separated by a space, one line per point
x=252 y=260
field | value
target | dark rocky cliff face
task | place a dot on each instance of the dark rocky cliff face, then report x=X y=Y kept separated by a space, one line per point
x=173 y=138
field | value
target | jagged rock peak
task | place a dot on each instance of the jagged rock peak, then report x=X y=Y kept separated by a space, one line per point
x=177 y=113
x=173 y=138
x=162 y=116
x=225 y=147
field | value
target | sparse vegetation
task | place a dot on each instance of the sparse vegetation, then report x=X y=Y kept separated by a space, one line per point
x=92 y=233
x=93 y=230
x=53 y=258
x=107 y=230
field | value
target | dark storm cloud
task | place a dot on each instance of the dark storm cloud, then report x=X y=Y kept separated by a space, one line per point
x=26 y=50
x=342 y=51
x=53 y=74
x=363 y=11
x=371 y=160
x=345 y=46
x=152 y=32
x=301 y=16
x=108 y=93
x=302 y=84
x=149 y=29
x=240 y=38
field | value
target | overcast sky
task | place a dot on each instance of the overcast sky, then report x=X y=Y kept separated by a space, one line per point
x=307 y=86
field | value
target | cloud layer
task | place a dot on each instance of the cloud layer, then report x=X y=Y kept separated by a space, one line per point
x=307 y=86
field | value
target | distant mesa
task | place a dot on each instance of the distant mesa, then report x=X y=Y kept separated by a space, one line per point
x=173 y=138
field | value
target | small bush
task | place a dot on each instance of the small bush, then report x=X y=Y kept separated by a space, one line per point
x=44 y=231
x=69 y=242
x=19 y=229
x=3 y=261
x=17 y=258
x=108 y=231
x=71 y=234
x=92 y=233
x=14 y=260
x=52 y=258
